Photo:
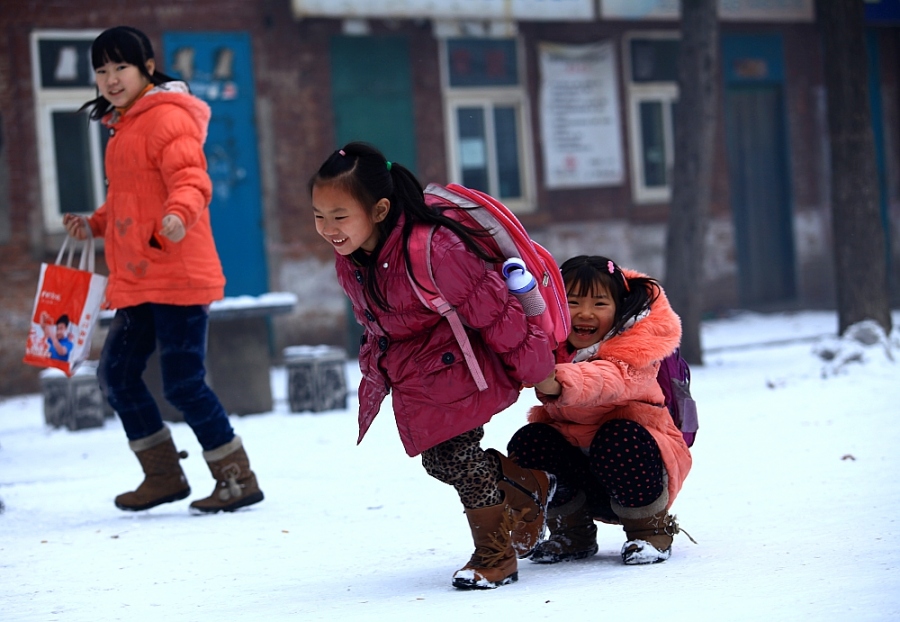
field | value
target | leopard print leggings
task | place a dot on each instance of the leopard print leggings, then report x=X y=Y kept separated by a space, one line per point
x=462 y=463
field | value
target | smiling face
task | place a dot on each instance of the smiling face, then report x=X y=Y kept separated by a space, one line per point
x=593 y=316
x=344 y=222
x=121 y=83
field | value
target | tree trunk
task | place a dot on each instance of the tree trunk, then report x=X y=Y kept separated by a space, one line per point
x=695 y=129
x=859 y=236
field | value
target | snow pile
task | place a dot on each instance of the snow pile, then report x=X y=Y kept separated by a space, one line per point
x=863 y=342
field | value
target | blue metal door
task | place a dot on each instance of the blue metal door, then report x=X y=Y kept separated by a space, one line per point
x=759 y=175
x=219 y=69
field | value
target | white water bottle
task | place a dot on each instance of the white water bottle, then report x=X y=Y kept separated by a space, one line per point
x=522 y=284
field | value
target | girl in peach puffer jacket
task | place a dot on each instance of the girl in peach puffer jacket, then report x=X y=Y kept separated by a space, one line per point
x=603 y=427
x=164 y=272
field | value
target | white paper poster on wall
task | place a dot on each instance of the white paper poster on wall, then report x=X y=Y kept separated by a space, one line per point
x=581 y=126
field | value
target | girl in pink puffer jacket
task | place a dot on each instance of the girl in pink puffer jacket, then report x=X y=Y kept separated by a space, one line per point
x=366 y=208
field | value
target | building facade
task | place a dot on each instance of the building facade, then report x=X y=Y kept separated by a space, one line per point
x=561 y=108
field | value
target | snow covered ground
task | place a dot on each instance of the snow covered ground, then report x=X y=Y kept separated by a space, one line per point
x=793 y=500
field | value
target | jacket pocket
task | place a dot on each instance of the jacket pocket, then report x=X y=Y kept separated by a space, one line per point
x=152 y=243
x=445 y=377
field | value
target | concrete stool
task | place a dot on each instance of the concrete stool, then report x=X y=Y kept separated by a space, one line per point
x=77 y=402
x=316 y=378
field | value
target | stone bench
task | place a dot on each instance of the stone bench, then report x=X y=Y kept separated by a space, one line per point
x=238 y=359
x=316 y=377
x=75 y=403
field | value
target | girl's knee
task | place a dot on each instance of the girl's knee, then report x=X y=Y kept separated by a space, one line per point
x=621 y=432
x=534 y=437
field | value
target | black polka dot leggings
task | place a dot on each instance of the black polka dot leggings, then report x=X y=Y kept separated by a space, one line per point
x=622 y=464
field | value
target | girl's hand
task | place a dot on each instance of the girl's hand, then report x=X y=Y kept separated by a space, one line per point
x=76 y=226
x=549 y=385
x=172 y=228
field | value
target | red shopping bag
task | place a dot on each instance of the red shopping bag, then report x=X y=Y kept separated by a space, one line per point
x=66 y=308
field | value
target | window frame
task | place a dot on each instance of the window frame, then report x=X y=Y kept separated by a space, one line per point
x=50 y=100
x=488 y=98
x=663 y=92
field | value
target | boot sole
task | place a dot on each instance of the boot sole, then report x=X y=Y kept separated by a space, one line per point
x=634 y=558
x=244 y=502
x=555 y=559
x=467 y=584
x=178 y=496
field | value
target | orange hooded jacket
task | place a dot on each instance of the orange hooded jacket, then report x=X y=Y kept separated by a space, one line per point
x=155 y=166
x=619 y=382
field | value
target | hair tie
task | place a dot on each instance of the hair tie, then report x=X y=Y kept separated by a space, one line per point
x=388 y=165
x=341 y=151
x=611 y=267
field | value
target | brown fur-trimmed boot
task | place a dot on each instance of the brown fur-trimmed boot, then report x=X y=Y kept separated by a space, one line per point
x=494 y=562
x=164 y=480
x=573 y=534
x=649 y=538
x=527 y=492
x=236 y=485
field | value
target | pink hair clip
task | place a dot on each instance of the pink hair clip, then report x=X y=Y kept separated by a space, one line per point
x=341 y=151
x=611 y=267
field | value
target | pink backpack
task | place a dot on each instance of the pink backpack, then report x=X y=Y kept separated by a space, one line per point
x=508 y=239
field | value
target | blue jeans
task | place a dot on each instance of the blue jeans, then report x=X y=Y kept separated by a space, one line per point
x=180 y=333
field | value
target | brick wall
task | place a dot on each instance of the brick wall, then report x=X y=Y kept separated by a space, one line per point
x=295 y=126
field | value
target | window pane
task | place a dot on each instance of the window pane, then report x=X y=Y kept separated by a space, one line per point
x=653 y=145
x=654 y=60
x=507 y=139
x=482 y=62
x=66 y=63
x=472 y=148
x=73 y=162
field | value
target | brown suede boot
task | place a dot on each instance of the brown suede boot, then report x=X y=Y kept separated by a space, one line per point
x=527 y=492
x=236 y=485
x=164 y=480
x=573 y=534
x=649 y=538
x=494 y=562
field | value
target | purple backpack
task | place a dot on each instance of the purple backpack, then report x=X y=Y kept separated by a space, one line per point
x=674 y=379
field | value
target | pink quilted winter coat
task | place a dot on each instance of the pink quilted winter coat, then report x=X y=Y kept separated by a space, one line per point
x=619 y=382
x=410 y=351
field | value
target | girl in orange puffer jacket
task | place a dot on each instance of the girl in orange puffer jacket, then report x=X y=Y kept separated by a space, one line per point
x=603 y=428
x=365 y=207
x=163 y=273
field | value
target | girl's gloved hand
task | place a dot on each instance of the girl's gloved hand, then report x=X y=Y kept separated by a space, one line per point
x=172 y=228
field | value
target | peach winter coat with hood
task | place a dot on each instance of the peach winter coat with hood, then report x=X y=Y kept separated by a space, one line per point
x=619 y=382
x=155 y=166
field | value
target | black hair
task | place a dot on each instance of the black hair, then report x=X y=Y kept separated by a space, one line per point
x=633 y=296
x=121 y=44
x=63 y=319
x=362 y=171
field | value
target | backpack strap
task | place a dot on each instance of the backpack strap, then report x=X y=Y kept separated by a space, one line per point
x=420 y=260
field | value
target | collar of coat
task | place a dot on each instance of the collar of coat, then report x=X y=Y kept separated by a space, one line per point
x=174 y=92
